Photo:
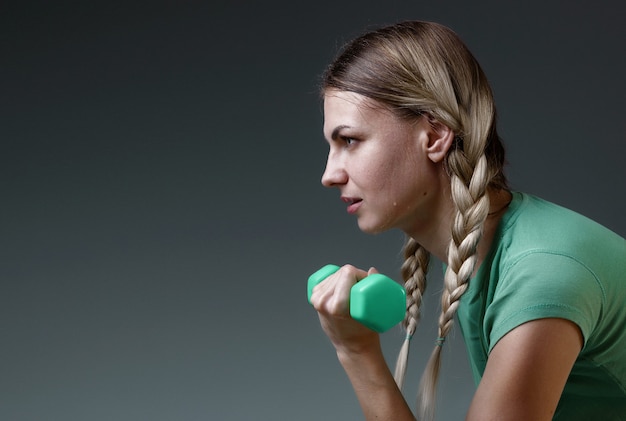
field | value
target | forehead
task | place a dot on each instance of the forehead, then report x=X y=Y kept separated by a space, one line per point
x=343 y=108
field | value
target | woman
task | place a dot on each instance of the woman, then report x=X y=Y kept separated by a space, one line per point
x=538 y=290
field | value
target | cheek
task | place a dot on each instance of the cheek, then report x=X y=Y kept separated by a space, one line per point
x=384 y=180
x=407 y=182
x=372 y=175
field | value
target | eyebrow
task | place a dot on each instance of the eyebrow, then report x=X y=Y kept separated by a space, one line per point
x=335 y=134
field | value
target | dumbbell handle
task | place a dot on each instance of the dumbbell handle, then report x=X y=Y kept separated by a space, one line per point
x=376 y=301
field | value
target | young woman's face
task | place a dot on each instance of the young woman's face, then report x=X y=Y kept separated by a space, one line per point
x=379 y=163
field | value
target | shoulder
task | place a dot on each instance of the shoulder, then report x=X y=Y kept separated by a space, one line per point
x=551 y=262
x=535 y=223
x=540 y=240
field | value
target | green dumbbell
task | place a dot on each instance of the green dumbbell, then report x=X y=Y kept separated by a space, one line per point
x=376 y=301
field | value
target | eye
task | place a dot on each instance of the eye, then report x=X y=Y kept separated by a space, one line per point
x=348 y=140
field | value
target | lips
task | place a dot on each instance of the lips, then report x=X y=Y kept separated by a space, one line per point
x=354 y=203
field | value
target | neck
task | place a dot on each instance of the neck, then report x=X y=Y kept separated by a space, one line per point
x=435 y=235
x=433 y=229
x=499 y=201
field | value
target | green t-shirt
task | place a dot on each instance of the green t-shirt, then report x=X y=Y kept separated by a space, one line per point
x=547 y=261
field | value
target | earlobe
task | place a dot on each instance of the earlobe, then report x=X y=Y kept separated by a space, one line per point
x=440 y=140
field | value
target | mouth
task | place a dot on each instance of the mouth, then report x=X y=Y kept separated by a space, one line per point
x=354 y=203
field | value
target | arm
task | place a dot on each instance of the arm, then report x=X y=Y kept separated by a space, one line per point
x=375 y=388
x=358 y=348
x=526 y=372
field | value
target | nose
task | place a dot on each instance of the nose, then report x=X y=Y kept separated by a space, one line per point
x=335 y=173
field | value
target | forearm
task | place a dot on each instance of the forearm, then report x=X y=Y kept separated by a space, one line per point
x=358 y=348
x=374 y=386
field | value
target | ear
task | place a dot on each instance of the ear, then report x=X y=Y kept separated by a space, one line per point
x=439 y=141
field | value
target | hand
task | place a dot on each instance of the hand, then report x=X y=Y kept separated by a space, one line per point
x=331 y=299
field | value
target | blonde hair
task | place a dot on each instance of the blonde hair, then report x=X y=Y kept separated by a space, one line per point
x=417 y=68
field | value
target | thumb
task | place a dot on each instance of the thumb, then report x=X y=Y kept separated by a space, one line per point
x=372 y=270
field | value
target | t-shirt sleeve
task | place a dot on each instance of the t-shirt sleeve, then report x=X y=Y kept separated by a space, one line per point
x=544 y=285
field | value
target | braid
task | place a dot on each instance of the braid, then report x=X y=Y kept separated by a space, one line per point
x=414 y=271
x=469 y=194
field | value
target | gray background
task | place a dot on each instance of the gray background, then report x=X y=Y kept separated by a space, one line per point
x=161 y=207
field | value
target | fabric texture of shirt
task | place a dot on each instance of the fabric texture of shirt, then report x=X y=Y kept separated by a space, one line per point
x=549 y=262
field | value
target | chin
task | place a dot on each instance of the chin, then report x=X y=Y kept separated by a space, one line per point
x=373 y=228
